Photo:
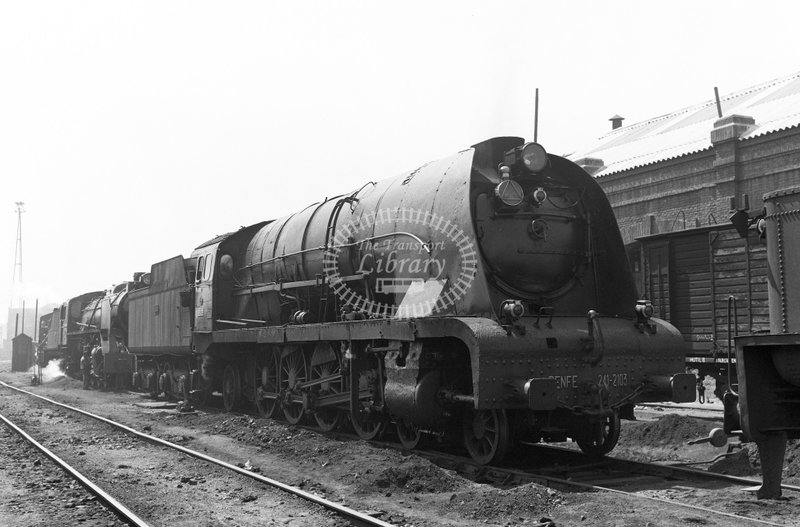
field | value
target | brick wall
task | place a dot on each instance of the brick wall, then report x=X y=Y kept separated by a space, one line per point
x=695 y=190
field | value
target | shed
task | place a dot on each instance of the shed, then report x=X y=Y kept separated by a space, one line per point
x=22 y=353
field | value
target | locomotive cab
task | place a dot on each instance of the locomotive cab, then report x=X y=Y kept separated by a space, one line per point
x=205 y=257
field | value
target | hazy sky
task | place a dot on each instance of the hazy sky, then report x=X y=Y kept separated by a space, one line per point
x=134 y=131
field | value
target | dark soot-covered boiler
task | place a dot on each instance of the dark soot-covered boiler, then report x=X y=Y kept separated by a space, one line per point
x=487 y=294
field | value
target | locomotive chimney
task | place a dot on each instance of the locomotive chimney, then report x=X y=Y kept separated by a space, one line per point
x=616 y=122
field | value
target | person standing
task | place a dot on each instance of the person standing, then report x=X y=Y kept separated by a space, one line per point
x=86 y=368
x=701 y=391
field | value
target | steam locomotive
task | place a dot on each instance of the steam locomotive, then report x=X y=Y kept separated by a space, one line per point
x=92 y=322
x=485 y=296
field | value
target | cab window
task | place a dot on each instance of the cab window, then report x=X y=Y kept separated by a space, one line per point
x=189 y=267
x=190 y=274
x=207 y=270
x=201 y=266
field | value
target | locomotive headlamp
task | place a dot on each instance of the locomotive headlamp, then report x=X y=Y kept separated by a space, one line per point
x=533 y=157
x=509 y=192
x=539 y=195
x=530 y=157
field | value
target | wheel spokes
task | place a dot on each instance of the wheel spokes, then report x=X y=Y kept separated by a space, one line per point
x=486 y=434
x=408 y=433
x=293 y=373
x=266 y=385
x=231 y=387
x=325 y=364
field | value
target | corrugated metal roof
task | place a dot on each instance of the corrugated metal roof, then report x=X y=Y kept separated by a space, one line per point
x=774 y=105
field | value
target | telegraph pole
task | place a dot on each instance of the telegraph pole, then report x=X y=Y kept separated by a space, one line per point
x=18 y=249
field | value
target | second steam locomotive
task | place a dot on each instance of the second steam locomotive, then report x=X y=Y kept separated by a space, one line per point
x=486 y=295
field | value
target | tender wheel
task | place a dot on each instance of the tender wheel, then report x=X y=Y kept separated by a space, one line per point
x=325 y=363
x=231 y=387
x=486 y=435
x=293 y=372
x=265 y=376
x=408 y=433
x=601 y=438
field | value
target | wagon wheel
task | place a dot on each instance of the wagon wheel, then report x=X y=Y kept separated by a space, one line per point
x=293 y=372
x=366 y=422
x=408 y=433
x=231 y=387
x=325 y=363
x=265 y=382
x=486 y=434
x=601 y=437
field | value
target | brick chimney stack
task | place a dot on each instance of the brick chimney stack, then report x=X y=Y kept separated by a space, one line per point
x=616 y=122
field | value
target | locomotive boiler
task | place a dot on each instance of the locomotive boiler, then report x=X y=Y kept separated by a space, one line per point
x=486 y=295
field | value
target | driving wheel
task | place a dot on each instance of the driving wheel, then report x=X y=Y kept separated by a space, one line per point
x=293 y=373
x=265 y=383
x=231 y=387
x=325 y=365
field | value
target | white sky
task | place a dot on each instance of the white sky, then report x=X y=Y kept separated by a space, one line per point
x=134 y=131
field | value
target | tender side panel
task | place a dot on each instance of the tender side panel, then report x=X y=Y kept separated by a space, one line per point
x=158 y=323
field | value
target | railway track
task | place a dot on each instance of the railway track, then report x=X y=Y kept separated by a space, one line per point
x=710 y=409
x=563 y=469
x=355 y=517
x=710 y=413
x=566 y=469
x=112 y=504
x=632 y=479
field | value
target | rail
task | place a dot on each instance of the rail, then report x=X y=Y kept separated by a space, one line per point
x=357 y=517
x=118 y=508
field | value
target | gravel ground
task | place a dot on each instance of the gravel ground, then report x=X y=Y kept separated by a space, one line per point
x=34 y=491
x=161 y=486
x=400 y=488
